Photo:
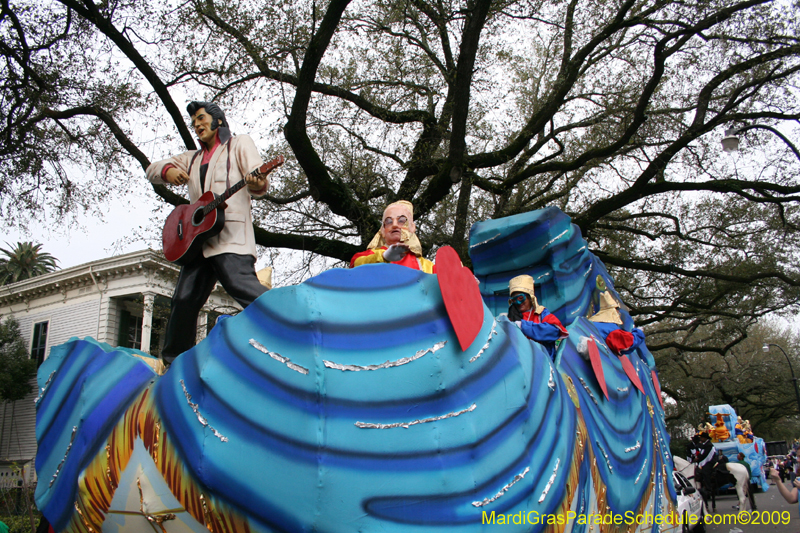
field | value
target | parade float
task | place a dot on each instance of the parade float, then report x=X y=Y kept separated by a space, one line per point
x=371 y=399
x=733 y=437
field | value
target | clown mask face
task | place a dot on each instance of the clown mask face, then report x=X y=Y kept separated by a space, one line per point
x=397 y=225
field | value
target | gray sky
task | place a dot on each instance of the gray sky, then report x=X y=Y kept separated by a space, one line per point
x=91 y=239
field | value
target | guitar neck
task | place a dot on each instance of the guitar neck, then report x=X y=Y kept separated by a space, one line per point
x=219 y=200
x=264 y=169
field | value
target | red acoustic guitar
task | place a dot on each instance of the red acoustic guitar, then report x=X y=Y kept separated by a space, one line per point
x=189 y=226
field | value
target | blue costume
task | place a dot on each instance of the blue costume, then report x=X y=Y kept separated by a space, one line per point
x=544 y=328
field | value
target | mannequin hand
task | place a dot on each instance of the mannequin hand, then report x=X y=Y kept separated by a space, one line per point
x=256 y=181
x=395 y=252
x=176 y=176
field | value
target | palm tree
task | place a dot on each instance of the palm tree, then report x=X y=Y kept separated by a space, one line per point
x=24 y=261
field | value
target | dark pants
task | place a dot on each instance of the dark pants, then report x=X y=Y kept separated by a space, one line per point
x=196 y=280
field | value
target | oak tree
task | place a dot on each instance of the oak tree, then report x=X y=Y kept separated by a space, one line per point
x=472 y=109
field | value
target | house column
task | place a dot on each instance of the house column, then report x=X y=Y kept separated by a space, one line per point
x=147 y=320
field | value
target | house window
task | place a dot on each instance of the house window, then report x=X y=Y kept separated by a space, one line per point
x=39 y=342
x=135 y=333
x=157 y=336
x=130 y=330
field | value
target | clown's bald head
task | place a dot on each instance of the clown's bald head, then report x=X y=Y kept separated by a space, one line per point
x=397 y=217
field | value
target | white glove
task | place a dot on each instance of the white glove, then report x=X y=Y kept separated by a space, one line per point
x=583 y=347
x=518 y=323
x=395 y=252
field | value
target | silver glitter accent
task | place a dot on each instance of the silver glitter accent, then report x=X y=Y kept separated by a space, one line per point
x=487 y=501
x=278 y=357
x=366 y=425
x=600 y=343
x=200 y=418
x=488 y=340
x=46 y=384
x=551 y=383
x=555 y=238
x=484 y=242
x=623 y=389
x=641 y=472
x=632 y=448
x=582 y=248
x=550 y=481
x=69 y=447
x=608 y=462
x=663 y=445
x=387 y=364
x=585 y=386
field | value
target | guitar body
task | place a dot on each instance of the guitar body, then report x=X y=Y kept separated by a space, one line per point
x=186 y=229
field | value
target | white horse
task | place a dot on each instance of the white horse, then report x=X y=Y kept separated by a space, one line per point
x=682 y=466
x=739 y=472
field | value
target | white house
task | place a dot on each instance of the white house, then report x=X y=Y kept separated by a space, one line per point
x=121 y=300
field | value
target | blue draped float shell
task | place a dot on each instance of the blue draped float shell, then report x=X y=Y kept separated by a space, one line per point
x=345 y=404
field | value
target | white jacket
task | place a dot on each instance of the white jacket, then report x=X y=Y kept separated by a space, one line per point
x=237 y=235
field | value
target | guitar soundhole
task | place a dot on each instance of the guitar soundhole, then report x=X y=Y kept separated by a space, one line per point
x=197 y=217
